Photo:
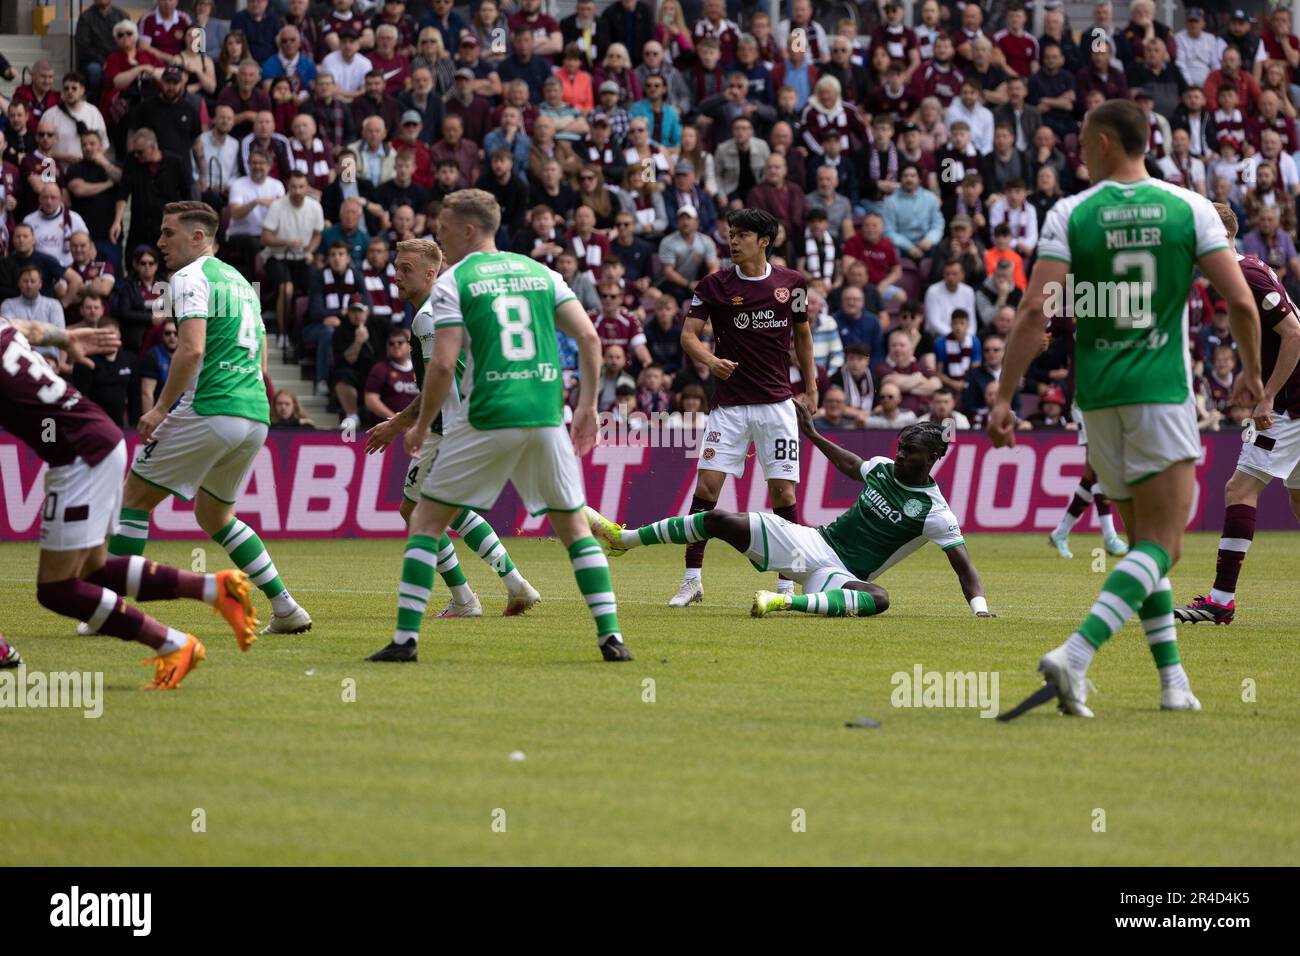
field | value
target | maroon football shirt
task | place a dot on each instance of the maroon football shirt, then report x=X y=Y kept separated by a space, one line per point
x=33 y=397
x=1274 y=305
x=753 y=321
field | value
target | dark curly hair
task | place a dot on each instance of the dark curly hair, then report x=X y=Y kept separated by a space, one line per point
x=927 y=435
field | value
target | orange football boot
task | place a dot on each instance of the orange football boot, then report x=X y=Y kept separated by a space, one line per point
x=236 y=606
x=170 y=669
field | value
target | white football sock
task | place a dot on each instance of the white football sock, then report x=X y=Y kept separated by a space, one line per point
x=462 y=593
x=1222 y=597
x=1107 y=523
x=1079 y=651
x=175 y=641
x=283 y=604
x=694 y=574
x=209 y=588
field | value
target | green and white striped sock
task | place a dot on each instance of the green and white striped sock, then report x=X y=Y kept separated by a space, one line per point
x=1124 y=591
x=413 y=592
x=685 y=530
x=132 y=533
x=250 y=556
x=479 y=535
x=835 y=603
x=450 y=571
x=1157 y=614
x=592 y=572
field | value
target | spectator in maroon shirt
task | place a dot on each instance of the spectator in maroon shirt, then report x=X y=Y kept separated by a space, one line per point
x=39 y=95
x=390 y=386
x=474 y=111
x=246 y=97
x=902 y=368
x=456 y=147
x=616 y=327
x=884 y=268
x=783 y=199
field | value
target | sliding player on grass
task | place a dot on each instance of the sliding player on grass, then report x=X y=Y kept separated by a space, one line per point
x=1133 y=378
x=1273 y=452
x=755 y=308
x=417 y=265
x=899 y=509
x=83 y=488
x=211 y=418
x=502 y=309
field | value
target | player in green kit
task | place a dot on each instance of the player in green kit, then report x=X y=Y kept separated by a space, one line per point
x=417 y=265
x=501 y=310
x=1120 y=257
x=201 y=449
x=897 y=511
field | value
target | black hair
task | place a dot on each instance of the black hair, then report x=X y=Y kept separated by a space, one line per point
x=928 y=435
x=761 y=223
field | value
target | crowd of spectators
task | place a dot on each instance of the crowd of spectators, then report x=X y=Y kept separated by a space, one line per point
x=909 y=164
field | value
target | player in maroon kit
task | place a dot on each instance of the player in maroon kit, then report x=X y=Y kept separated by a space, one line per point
x=83 y=491
x=754 y=308
x=1273 y=452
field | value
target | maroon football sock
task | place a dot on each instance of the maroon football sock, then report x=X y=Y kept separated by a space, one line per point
x=695 y=551
x=102 y=609
x=1102 y=503
x=1238 y=532
x=1082 y=498
x=145 y=580
x=789 y=513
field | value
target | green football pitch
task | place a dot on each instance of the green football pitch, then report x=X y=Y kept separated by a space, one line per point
x=723 y=743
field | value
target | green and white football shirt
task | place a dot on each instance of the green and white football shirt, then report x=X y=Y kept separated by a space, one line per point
x=507 y=303
x=889 y=521
x=1131 y=249
x=422 y=331
x=230 y=377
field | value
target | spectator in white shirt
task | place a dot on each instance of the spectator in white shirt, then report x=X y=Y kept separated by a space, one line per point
x=54 y=223
x=220 y=166
x=347 y=66
x=890 y=413
x=1013 y=209
x=942 y=298
x=968 y=108
x=1199 y=51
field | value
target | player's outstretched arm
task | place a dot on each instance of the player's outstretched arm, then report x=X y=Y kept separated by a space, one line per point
x=184 y=368
x=1024 y=344
x=971 y=587
x=574 y=322
x=844 y=460
x=1221 y=268
x=80 y=344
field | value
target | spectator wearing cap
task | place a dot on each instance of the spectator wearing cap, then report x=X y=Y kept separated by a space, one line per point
x=410 y=140
x=471 y=108
x=1199 y=51
x=1052 y=412
x=1238 y=33
x=665 y=123
x=470 y=56
x=686 y=192
x=347 y=65
x=171 y=115
x=615 y=116
x=353 y=345
x=576 y=83
x=601 y=150
x=686 y=255
x=524 y=64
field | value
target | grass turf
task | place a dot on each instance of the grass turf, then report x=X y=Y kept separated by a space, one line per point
x=746 y=727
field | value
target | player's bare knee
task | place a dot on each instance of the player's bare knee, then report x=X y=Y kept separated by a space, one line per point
x=781 y=493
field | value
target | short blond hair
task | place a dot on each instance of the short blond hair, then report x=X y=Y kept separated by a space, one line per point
x=426 y=249
x=1228 y=217
x=476 y=206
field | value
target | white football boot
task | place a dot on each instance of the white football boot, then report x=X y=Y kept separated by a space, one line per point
x=521 y=600
x=298 y=621
x=1062 y=544
x=1176 y=698
x=1071 y=685
x=471 y=608
x=691 y=591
